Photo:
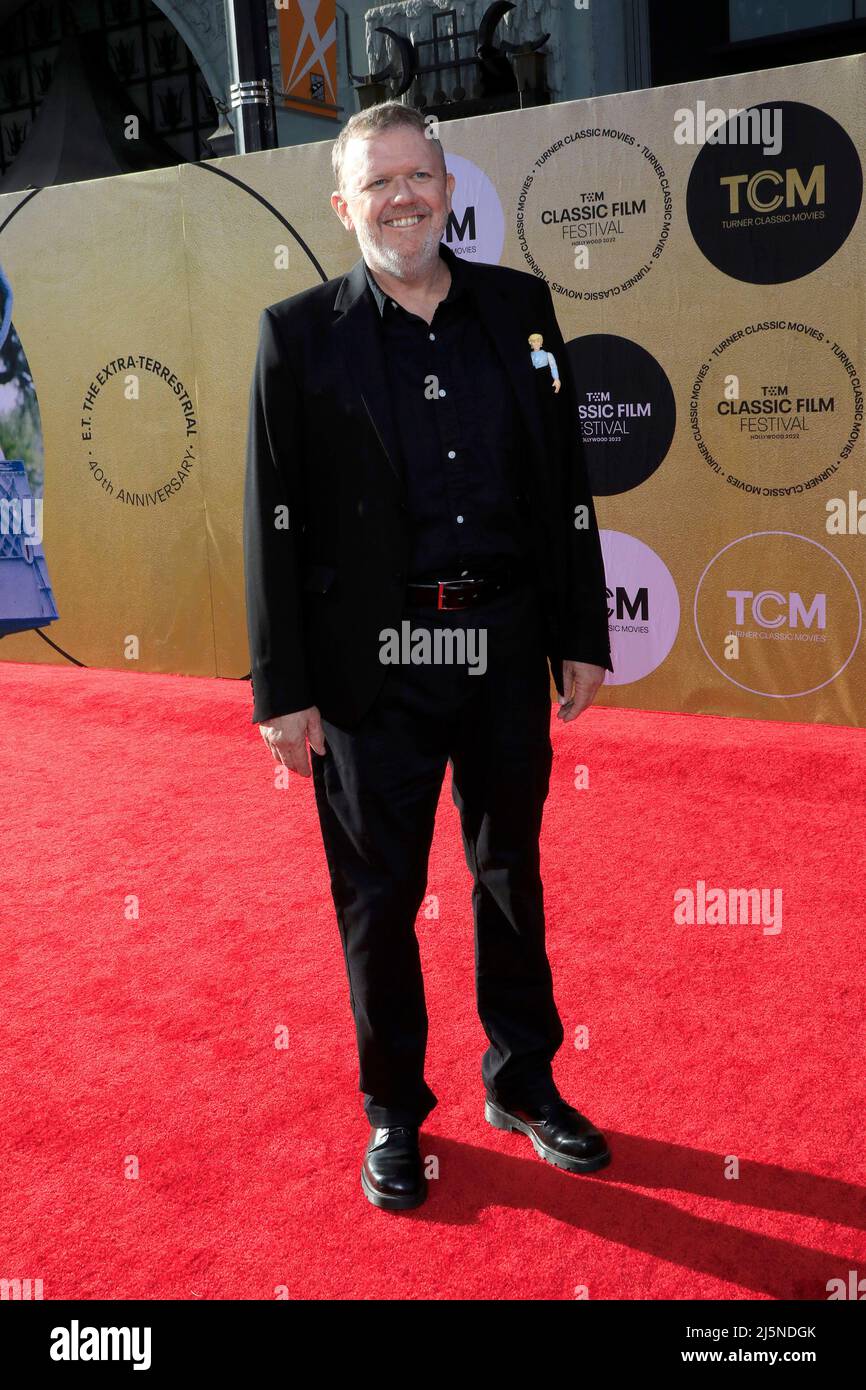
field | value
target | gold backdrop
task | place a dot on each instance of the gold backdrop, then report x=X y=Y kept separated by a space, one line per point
x=712 y=299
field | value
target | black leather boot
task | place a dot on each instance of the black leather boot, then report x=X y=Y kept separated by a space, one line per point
x=392 y=1174
x=559 y=1133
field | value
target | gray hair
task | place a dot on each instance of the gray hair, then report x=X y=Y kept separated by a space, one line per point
x=384 y=116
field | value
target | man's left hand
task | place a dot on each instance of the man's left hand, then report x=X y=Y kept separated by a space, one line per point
x=581 y=682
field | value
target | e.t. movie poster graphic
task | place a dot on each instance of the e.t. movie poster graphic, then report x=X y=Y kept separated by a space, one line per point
x=26 y=600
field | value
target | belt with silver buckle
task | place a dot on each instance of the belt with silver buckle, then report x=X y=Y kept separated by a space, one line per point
x=446 y=594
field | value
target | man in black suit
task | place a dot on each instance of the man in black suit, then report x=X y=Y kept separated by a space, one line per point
x=415 y=485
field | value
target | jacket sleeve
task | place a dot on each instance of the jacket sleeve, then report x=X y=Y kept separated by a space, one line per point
x=272 y=548
x=585 y=635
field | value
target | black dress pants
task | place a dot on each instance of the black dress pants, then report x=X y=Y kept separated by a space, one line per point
x=377 y=788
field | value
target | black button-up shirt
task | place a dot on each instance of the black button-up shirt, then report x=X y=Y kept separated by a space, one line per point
x=461 y=437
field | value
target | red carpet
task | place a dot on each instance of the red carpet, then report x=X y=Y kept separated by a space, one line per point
x=152 y=1040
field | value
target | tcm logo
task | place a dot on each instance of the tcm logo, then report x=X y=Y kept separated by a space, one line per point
x=769 y=198
x=772 y=609
x=464 y=230
x=624 y=606
x=476 y=222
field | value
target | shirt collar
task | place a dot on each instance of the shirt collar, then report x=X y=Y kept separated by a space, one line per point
x=457 y=287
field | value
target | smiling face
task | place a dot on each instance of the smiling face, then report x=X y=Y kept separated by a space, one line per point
x=396 y=197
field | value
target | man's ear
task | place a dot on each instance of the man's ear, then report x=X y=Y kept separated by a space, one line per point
x=338 y=203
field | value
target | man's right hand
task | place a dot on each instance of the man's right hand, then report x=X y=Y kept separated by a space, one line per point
x=286 y=737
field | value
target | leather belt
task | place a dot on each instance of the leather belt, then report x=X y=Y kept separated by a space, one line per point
x=447 y=594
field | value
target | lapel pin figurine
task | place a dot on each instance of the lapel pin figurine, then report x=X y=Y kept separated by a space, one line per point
x=540 y=358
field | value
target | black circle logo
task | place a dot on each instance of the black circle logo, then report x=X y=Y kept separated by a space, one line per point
x=626 y=411
x=771 y=217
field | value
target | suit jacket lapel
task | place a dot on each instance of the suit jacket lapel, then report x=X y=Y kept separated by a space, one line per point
x=503 y=320
x=360 y=346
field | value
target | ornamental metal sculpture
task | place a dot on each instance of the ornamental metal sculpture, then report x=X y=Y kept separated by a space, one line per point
x=498 y=66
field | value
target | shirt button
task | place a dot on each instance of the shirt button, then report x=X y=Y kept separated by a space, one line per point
x=462 y=572
x=459 y=518
x=432 y=337
x=451 y=454
x=441 y=390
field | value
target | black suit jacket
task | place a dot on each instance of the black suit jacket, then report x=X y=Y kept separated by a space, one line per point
x=325 y=527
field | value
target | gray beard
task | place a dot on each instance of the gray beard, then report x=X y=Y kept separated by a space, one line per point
x=402 y=265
